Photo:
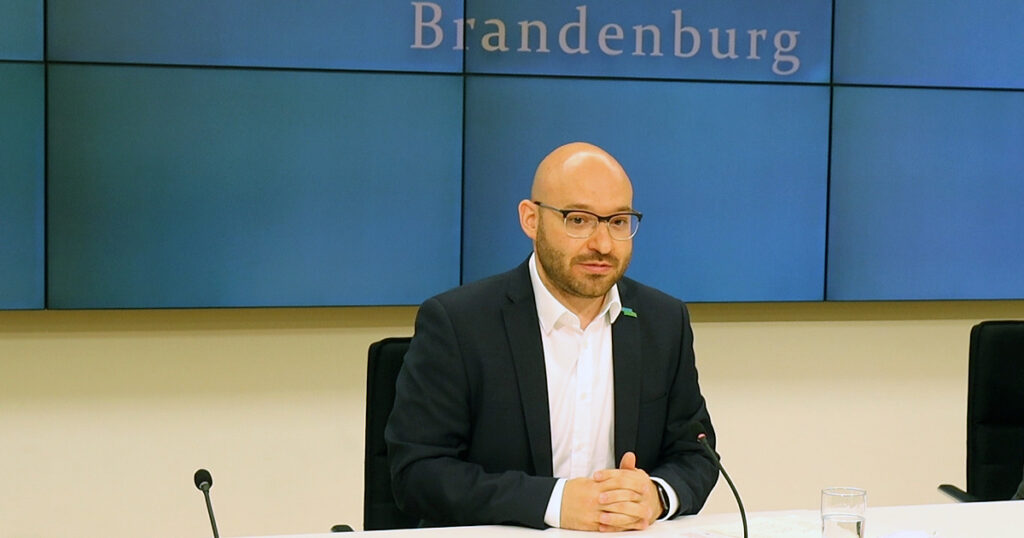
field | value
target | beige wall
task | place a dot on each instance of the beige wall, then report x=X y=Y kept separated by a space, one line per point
x=105 y=415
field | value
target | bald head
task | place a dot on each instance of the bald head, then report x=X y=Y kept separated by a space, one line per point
x=578 y=267
x=579 y=170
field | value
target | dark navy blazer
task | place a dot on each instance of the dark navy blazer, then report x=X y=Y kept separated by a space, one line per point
x=469 y=440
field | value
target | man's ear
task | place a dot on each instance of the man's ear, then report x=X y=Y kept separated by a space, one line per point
x=528 y=218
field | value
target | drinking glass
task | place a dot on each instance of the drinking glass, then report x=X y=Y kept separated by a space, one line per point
x=842 y=512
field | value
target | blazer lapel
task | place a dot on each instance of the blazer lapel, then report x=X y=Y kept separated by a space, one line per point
x=523 y=328
x=626 y=367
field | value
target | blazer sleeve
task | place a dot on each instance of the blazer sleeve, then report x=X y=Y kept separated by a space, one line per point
x=428 y=436
x=683 y=463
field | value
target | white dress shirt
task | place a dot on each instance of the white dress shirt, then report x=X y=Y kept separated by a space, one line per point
x=581 y=395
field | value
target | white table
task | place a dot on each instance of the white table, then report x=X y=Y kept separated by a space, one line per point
x=966 y=520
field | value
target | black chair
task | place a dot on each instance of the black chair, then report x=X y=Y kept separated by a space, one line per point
x=379 y=508
x=1019 y=496
x=995 y=413
x=380 y=511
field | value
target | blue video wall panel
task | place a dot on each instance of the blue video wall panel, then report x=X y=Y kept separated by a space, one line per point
x=927 y=195
x=930 y=43
x=731 y=178
x=21 y=30
x=302 y=152
x=755 y=40
x=376 y=35
x=180 y=187
x=21 y=186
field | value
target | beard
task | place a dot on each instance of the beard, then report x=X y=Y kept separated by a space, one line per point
x=558 y=267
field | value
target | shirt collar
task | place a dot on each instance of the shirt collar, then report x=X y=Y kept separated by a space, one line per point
x=551 y=311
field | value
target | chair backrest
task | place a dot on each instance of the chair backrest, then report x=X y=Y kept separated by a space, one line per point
x=995 y=410
x=379 y=508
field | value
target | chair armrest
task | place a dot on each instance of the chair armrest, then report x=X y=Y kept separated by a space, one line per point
x=957 y=493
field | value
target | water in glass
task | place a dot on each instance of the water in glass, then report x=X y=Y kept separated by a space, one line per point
x=842 y=526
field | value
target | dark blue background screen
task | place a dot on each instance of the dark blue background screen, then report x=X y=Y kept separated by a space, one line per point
x=350 y=152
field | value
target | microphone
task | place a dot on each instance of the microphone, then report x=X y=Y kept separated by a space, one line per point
x=696 y=429
x=204 y=482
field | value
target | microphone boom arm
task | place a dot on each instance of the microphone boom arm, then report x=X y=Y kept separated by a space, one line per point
x=702 y=438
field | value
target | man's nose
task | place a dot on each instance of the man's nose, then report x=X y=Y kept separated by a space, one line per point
x=601 y=239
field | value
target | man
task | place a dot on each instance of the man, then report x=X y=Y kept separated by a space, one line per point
x=560 y=393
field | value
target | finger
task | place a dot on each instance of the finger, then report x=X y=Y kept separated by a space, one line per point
x=625 y=474
x=619 y=496
x=613 y=519
x=606 y=474
x=633 y=510
x=630 y=480
x=621 y=521
x=628 y=461
x=638 y=526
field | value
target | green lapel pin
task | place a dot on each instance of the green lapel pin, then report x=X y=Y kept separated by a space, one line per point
x=628 y=312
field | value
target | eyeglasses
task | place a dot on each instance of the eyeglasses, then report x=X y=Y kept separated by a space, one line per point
x=581 y=224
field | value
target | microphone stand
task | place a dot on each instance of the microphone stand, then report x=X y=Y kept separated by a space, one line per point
x=209 y=509
x=204 y=482
x=703 y=440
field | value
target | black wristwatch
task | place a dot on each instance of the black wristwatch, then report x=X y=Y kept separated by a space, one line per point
x=662 y=497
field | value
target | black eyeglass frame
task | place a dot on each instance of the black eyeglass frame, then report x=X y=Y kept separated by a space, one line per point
x=600 y=218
